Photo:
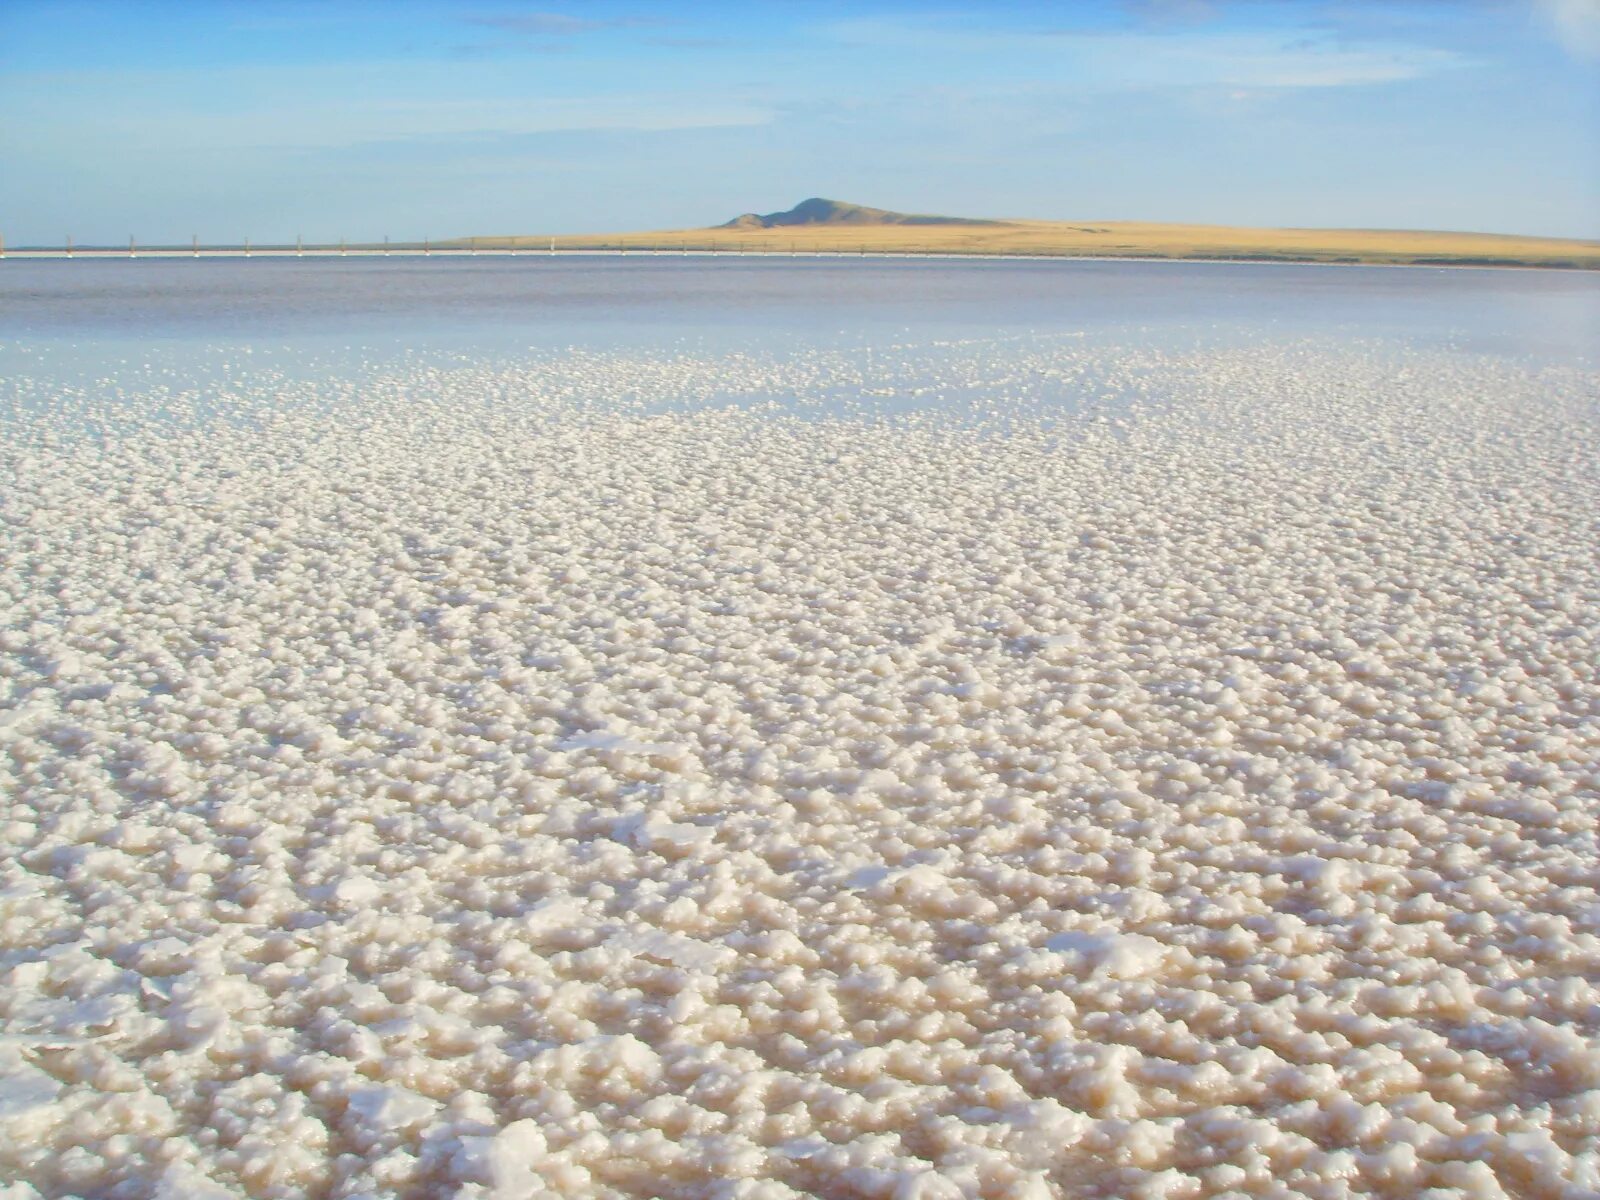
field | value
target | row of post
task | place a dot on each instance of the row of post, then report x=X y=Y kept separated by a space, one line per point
x=427 y=247
x=194 y=246
x=299 y=245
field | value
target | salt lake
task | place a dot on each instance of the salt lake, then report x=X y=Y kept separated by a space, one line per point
x=773 y=728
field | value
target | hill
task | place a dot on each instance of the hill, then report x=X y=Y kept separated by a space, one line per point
x=817 y=211
x=819 y=226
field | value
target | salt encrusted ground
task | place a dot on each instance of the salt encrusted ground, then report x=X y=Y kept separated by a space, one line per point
x=452 y=786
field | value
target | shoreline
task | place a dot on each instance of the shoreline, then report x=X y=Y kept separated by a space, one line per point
x=109 y=253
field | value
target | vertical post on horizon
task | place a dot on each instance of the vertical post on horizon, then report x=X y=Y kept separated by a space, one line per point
x=194 y=244
x=552 y=244
x=2 y=245
x=69 y=245
x=299 y=246
x=386 y=243
x=341 y=245
x=130 y=246
x=247 y=245
x=427 y=245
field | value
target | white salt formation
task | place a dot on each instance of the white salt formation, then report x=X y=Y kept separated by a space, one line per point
x=1117 y=774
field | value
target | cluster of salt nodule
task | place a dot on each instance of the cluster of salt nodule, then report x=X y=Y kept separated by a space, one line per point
x=449 y=786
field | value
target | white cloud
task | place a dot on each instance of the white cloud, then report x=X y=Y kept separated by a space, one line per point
x=1156 y=58
x=553 y=24
x=1576 y=24
x=331 y=105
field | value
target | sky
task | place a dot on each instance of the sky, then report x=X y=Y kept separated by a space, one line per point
x=442 y=118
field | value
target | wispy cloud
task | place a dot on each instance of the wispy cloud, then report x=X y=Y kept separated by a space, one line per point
x=329 y=106
x=691 y=43
x=552 y=24
x=1155 y=58
x=1173 y=12
x=1576 y=24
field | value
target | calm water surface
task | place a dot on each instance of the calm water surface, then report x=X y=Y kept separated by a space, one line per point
x=121 y=323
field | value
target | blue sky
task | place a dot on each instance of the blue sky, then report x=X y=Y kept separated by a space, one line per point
x=413 y=118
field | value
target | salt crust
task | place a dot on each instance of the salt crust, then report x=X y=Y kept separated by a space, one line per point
x=456 y=785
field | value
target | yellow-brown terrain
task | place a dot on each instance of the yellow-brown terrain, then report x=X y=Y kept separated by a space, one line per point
x=832 y=227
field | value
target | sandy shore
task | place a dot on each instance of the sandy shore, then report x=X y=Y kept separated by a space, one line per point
x=1106 y=239
x=528 y=781
x=643 y=250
